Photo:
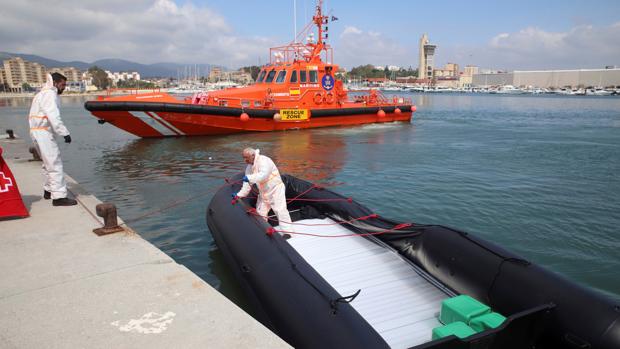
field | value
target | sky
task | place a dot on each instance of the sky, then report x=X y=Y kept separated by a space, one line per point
x=505 y=35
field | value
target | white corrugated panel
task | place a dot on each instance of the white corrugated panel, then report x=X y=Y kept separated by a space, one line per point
x=400 y=304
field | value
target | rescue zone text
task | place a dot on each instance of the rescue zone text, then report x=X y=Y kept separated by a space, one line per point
x=294 y=114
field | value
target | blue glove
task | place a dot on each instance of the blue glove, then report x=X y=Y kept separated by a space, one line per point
x=245 y=179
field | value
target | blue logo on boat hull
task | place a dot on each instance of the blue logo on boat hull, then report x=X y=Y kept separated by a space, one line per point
x=327 y=82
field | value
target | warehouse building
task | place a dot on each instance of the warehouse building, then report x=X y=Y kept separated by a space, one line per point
x=609 y=77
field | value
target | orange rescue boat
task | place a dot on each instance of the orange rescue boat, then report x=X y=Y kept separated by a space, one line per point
x=297 y=89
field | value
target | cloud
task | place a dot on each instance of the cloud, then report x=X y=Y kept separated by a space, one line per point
x=146 y=31
x=356 y=47
x=348 y=30
x=583 y=46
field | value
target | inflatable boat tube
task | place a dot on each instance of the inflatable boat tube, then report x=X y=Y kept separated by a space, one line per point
x=544 y=310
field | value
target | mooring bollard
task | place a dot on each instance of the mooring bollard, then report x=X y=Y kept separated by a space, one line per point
x=110 y=223
x=35 y=153
x=10 y=133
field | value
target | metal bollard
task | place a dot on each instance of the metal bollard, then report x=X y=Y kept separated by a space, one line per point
x=110 y=223
x=35 y=154
x=10 y=133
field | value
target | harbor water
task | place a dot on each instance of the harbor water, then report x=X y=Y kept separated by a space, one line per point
x=538 y=175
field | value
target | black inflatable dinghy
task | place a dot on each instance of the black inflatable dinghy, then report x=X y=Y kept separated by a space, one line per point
x=347 y=278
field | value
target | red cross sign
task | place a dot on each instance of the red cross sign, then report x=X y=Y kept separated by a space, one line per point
x=11 y=204
x=5 y=182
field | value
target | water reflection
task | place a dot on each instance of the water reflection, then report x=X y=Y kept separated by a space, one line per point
x=147 y=159
x=304 y=153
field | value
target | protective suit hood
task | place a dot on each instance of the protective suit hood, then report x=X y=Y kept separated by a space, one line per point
x=256 y=155
x=49 y=83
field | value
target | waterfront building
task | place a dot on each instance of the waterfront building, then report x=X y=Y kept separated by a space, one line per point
x=389 y=67
x=466 y=76
x=2 y=79
x=122 y=76
x=427 y=59
x=215 y=74
x=72 y=74
x=407 y=80
x=238 y=76
x=18 y=72
x=578 y=78
x=449 y=70
x=447 y=82
x=376 y=82
x=453 y=68
x=15 y=72
x=470 y=70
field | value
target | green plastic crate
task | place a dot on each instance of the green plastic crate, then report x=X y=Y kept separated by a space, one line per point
x=459 y=329
x=486 y=321
x=461 y=308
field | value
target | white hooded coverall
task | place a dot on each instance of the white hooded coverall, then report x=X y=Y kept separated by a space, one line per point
x=44 y=119
x=272 y=192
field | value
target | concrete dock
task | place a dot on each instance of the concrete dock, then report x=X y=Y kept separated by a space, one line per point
x=65 y=287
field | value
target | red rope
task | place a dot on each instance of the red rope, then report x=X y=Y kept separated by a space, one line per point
x=349 y=200
x=271 y=230
x=175 y=203
x=296 y=198
x=362 y=218
x=303 y=193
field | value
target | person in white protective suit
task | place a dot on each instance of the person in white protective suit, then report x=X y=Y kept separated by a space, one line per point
x=45 y=122
x=272 y=192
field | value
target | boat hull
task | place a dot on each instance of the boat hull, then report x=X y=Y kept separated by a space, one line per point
x=544 y=310
x=181 y=119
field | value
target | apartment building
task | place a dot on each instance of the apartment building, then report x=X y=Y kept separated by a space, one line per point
x=72 y=74
x=16 y=72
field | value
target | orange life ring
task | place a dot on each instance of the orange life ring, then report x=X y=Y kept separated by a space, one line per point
x=318 y=98
x=329 y=98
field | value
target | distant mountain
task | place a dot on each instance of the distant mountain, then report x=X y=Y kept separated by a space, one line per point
x=117 y=65
x=45 y=61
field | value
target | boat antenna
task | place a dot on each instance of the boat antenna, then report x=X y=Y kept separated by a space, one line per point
x=294 y=20
x=319 y=20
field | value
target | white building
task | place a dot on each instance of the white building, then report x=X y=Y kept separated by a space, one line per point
x=390 y=67
x=551 y=78
x=122 y=76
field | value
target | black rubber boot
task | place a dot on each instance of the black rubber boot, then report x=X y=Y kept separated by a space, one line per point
x=64 y=202
x=47 y=195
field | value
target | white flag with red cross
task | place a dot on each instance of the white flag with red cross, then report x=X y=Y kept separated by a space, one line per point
x=11 y=204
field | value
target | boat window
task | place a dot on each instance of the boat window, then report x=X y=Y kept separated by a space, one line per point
x=302 y=76
x=314 y=76
x=281 y=76
x=293 y=76
x=261 y=76
x=270 y=76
